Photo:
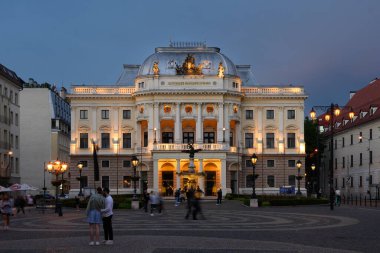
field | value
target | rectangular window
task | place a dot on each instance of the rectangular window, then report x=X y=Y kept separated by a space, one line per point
x=352 y=140
x=292 y=180
x=336 y=183
x=361 y=159
x=249 y=181
x=352 y=161
x=343 y=182
x=336 y=163
x=127 y=140
x=270 y=163
x=370 y=179
x=84 y=163
x=167 y=137
x=248 y=163
x=248 y=140
x=292 y=163
x=83 y=140
x=105 y=114
x=248 y=114
x=126 y=114
x=127 y=181
x=231 y=139
x=343 y=162
x=188 y=137
x=126 y=163
x=291 y=140
x=105 y=140
x=83 y=114
x=291 y=114
x=105 y=164
x=270 y=114
x=105 y=182
x=370 y=134
x=270 y=140
x=16 y=119
x=16 y=142
x=270 y=181
x=360 y=181
x=208 y=137
x=145 y=139
x=370 y=157
x=16 y=98
x=352 y=181
x=342 y=141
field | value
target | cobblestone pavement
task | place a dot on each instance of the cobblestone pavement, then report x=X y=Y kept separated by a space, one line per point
x=229 y=227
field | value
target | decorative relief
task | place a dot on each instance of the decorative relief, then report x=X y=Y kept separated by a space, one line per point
x=84 y=128
x=126 y=128
x=172 y=64
x=270 y=127
x=105 y=128
x=189 y=109
x=188 y=67
x=141 y=110
x=291 y=127
x=206 y=64
x=209 y=109
x=167 y=109
x=235 y=109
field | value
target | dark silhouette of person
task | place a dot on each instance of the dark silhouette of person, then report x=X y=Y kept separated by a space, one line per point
x=219 y=198
x=190 y=200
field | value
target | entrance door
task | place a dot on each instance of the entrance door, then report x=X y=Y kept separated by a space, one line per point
x=233 y=182
x=144 y=180
x=210 y=183
x=167 y=183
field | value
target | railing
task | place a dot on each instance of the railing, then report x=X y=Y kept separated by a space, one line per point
x=178 y=147
x=102 y=90
x=273 y=90
x=364 y=200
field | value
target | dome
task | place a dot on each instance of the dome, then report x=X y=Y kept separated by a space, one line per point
x=168 y=57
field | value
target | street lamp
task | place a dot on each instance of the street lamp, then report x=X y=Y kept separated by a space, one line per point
x=57 y=168
x=253 y=161
x=299 y=177
x=135 y=162
x=331 y=111
x=80 y=167
x=155 y=140
x=224 y=134
x=313 y=178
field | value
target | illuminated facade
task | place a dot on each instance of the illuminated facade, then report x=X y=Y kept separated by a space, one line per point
x=181 y=94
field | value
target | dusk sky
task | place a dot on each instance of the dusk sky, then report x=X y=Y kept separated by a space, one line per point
x=329 y=47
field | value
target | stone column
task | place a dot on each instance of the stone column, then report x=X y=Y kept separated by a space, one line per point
x=220 y=124
x=178 y=177
x=75 y=136
x=201 y=180
x=155 y=175
x=260 y=134
x=227 y=111
x=94 y=125
x=149 y=107
x=178 y=125
x=223 y=179
x=199 y=128
x=157 y=124
x=281 y=133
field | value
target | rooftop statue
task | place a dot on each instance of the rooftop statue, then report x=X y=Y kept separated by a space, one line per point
x=188 y=67
x=191 y=150
x=220 y=70
x=155 y=68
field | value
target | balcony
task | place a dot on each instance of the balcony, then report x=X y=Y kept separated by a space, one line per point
x=179 y=147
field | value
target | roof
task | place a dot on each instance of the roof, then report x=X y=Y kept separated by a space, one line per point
x=11 y=76
x=365 y=104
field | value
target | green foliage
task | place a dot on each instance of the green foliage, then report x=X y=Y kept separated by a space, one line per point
x=119 y=202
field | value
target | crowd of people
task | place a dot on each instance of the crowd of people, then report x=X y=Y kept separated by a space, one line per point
x=10 y=206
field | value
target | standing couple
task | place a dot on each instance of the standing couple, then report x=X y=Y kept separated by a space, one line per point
x=99 y=210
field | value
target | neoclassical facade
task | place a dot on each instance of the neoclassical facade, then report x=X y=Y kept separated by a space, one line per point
x=187 y=94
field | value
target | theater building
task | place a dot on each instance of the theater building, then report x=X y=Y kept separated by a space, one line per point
x=187 y=93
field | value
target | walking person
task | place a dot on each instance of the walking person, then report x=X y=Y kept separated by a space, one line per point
x=177 y=195
x=107 y=217
x=94 y=217
x=190 y=200
x=219 y=197
x=154 y=202
x=337 y=197
x=6 y=210
x=146 y=200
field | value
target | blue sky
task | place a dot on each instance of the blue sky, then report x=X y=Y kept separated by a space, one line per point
x=329 y=47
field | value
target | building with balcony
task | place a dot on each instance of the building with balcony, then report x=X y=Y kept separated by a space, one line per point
x=10 y=86
x=187 y=93
x=45 y=133
x=356 y=159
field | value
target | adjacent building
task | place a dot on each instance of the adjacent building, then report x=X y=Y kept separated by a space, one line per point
x=45 y=133
x=187 y=93
x=356 y=160
x=10 y=86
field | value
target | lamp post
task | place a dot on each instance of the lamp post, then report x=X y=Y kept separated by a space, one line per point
x=224 y=134
x=80 y=167
x=57 y=168
x=313 y=178
x=299 y=178
x=135 y=162
x=331 y=112
x=254 y=161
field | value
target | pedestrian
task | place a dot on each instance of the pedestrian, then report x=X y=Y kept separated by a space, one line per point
x=20 y=200
x=94 y=217
x=190 y=200
x=6 y=210
x=154 y=202
x=219 y=197
x=177 y=195
x=146 y=201
x=107 y=217
x=337 y=197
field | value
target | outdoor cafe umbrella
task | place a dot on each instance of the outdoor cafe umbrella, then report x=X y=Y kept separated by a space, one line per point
x=4 y=189
x=22 y=187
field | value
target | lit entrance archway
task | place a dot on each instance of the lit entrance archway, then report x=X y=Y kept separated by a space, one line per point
x=211 y=179
x=166 y=179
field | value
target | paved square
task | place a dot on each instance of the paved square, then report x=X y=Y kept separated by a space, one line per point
x=230 y=227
